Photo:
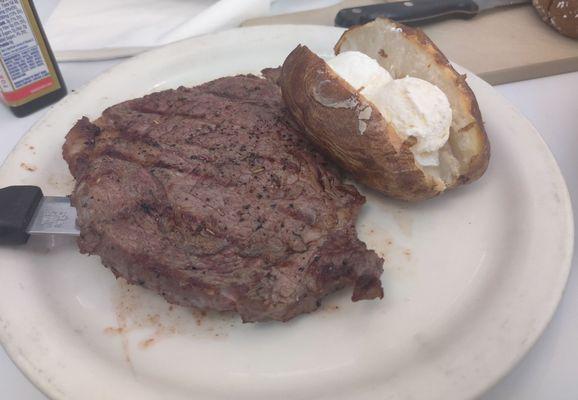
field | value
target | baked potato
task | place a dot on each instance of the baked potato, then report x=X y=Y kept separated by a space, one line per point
x=346 y=125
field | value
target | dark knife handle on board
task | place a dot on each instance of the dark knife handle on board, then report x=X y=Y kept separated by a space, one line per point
x=412 y=12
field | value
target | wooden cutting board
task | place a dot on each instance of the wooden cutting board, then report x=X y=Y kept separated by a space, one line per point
x=503 y=45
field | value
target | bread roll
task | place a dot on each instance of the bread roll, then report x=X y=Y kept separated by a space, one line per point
x=561 y=14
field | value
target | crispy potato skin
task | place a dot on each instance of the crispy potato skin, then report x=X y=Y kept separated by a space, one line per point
x=477 y=165
x=350 y=129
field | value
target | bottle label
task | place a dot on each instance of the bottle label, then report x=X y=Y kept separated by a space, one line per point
x=26 y=72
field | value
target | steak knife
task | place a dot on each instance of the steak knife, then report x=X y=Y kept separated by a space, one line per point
x=419 y=11
x=24 y=211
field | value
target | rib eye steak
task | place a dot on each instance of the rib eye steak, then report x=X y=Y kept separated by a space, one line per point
x=212 y=198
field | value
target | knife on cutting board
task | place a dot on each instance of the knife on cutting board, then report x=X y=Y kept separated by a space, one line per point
x=508 y=45
x=25 y=211
x=354 y=12
x=419 y=11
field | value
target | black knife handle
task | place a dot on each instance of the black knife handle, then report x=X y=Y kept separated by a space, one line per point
x=17 y=206
x=411 y=12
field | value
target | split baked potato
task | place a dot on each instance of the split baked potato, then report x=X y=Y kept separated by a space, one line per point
x=348 y=127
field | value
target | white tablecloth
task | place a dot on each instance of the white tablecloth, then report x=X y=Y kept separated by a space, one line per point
x=550 y=370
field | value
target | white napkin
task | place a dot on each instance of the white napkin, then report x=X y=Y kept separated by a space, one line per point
x=102 y=29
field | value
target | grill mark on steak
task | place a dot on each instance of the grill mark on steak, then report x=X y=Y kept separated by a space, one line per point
x=211 y=197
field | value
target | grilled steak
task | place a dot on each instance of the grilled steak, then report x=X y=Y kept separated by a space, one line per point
x=210 y=197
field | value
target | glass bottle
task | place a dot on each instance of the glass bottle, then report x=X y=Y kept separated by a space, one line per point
x=29 y=76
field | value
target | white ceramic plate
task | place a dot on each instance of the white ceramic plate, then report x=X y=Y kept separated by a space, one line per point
x=471 y=278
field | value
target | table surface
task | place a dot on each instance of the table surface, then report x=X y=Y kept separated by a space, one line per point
x=550 y=369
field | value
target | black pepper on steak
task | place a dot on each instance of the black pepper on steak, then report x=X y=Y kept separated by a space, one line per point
x=211 y=197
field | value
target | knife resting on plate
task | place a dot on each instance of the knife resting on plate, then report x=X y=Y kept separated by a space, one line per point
x=24 y=211
x=419 y=11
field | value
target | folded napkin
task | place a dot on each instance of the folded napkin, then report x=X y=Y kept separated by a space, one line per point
x=101 y=29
